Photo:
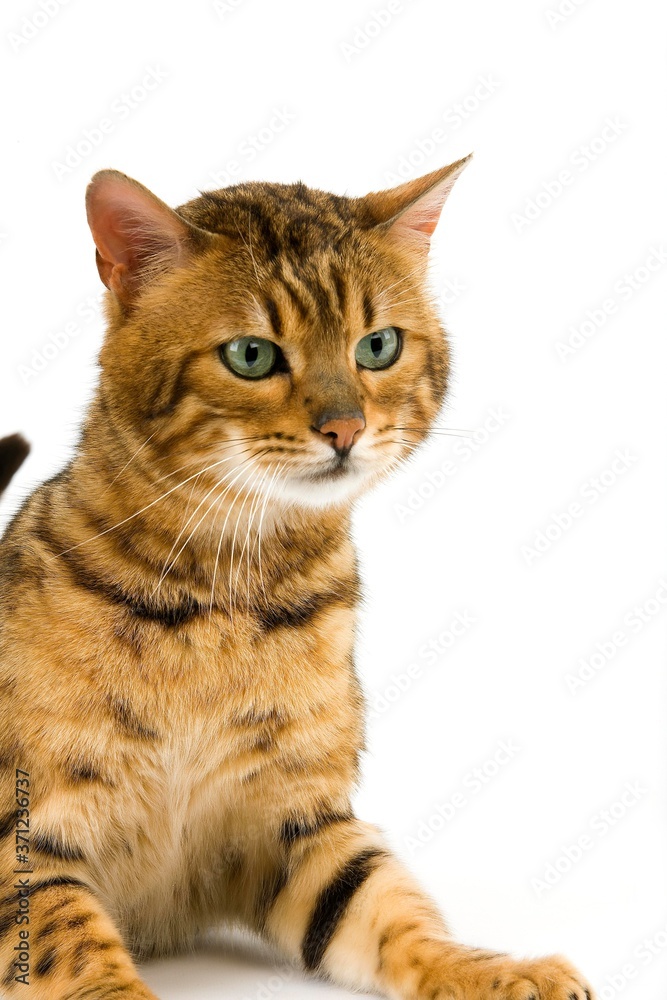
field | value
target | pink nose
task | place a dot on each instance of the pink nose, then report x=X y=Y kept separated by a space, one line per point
x=342 y=431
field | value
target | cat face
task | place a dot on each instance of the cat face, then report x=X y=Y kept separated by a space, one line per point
x=282 y=335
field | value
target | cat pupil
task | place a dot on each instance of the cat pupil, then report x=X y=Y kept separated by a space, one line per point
x=376 y=345
x=251 y=353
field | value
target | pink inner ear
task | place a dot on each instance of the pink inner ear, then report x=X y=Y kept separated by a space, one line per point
x=417 y=221
x=421 y=218
x=423 y=215
x=128 y=226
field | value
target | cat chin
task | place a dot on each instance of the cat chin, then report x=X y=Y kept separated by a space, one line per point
x=318 y=494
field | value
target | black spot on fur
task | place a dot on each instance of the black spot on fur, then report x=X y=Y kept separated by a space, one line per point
x=302 y=612
x=7 y=823
x=298 y=828
x=47 y=929
x=8 y=686
x=84 y=949
x=296 y=297
x=332 y=903
x=48 y=844
x=393 y=933
x=171 y=387
x=369 y=312
x=269 y=892
x=129 y=722
x=257 y=717
x=46 y=962
x=340 y=287
x=9 y=975
x=167 y=615
x=82 y=770
x=6 y=921
x=274 y=316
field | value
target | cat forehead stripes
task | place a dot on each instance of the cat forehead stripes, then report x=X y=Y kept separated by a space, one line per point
x=307 y=241
x=286 y=218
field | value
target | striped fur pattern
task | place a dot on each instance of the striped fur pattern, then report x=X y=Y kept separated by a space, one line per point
x=178 y=605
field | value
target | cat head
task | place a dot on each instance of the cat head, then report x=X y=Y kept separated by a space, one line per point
x=275 y=333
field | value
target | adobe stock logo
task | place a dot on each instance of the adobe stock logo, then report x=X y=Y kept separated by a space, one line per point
x=579 y=161
x=472 y=783
x=378 y=21
x=222 y=7
x=450 y=120
x=429 y=654
x=562 y=11
x=634 y=621
x=249 y=148
x=463 y=450
x=88 y=310
x=33 y=24
x=623 y=290
x=273 y=985
x=651 y=947
x=588 y=495
x=599 y=827
x=120 y=110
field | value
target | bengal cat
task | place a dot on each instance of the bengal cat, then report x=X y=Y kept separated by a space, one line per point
x=180 y=718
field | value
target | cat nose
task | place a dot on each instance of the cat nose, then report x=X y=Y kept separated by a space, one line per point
x=341 y=429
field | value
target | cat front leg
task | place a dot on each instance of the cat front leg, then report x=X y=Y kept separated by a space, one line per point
x=348 y=909
x=70 y=949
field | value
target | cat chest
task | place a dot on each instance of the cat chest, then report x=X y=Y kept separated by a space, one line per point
x=252 y=677
x=204 y=788
x=220 y=737
x=235 y=701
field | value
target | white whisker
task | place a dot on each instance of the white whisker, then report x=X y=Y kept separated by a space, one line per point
x=259 y=528
x=232 y=596
x=119 y=474
x=246 y=546
x=137 y=513
x=199 y=505
x=217 y=555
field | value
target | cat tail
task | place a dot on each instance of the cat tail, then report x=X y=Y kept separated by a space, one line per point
x=13 y=452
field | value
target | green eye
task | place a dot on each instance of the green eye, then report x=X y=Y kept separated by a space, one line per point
x=379 y=349
x=251 y=357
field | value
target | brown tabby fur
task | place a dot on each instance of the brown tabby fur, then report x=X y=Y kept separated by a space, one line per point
x=180 y=684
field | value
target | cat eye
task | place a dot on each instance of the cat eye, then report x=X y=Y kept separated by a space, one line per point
x=250 y=357
x=379 y=349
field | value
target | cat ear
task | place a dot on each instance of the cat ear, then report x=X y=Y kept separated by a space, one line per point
x=137 y=236
x=409 y=213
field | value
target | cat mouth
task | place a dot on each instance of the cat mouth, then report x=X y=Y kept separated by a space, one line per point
x=337 y=480
x=340 y=467
x=332 y=472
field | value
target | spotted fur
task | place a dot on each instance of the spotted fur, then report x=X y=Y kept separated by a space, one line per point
x=178 y=605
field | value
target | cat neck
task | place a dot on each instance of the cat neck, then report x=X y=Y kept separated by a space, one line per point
x=170 y=534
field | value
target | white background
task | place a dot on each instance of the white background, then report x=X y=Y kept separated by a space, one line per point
x=358 y=108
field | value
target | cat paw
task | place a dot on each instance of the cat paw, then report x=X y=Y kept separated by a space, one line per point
x=474 y=974
x=551 y=978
